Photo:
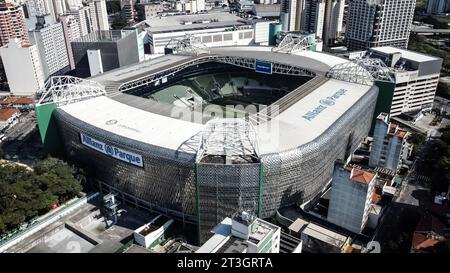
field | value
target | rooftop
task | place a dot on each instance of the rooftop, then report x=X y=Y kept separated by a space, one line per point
x=361 y=176
x=16 y=100
x=193 y=21
x=325 y=235
x=406 y=54
x=7 y=113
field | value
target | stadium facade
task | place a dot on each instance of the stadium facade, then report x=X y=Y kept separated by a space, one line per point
x=156 y=155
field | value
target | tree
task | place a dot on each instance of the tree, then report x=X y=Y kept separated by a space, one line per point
x=25 y=193
x=118 y=22
x=443 y=90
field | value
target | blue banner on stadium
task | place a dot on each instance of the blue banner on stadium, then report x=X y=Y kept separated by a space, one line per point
x=263 y=67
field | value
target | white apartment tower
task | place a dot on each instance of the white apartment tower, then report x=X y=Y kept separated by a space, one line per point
x=373 y=23
x=23 y=68
x=51 y=44
x=99 y=15
x=71 y=32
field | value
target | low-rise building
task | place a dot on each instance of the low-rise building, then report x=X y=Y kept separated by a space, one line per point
x=8 y=118
x=16 y=102
x=153 y=233
x=243 y=233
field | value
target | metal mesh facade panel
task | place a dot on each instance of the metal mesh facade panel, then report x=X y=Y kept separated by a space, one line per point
x=169 y=179
x=166 y=180
x=298 y=175
x=224 y=190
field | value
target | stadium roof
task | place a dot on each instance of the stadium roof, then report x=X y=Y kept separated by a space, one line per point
x=154 y=123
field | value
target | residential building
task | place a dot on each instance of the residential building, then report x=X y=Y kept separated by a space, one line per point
x=288 y=15
x=243 y=233
x=49 y=39
x=17 y=102
x=388 y=144
x=128 y=11
x=83 y=17
x=311 y=16
x=438 y=6
x=149 y=10
x=23 y=67
x=108 y=50
x=213 y=29
x=8 y=117
x=379 y=23
x=98 y=14
x=333 y=25
x=416 y=77
x=267 y=11
x=12 y=23
x=71 y=30
x=351 y=197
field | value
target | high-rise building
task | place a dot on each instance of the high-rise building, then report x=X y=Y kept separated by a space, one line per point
x=288 y=15
x=311 y=16
x=438 y=6
x=71 y=32
x=322 y=17
x=99 y=15
x=83 y=17
x=128 y=11
x=23 y=67
x=334 y=20
x=351 y=197
x=388 y=144
x=49 y=39
x=12 y=23
x=379 y=23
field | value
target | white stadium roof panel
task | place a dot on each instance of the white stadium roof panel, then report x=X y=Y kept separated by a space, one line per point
x=134 y=123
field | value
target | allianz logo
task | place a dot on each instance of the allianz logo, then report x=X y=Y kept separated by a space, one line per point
x=324 y=104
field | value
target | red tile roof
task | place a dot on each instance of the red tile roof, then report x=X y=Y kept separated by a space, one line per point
x=361 y=176
x=422 y=241
x=400 y=133
x=16 y=100
x=7 y=113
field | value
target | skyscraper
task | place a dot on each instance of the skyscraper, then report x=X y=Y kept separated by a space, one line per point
x=379 y=23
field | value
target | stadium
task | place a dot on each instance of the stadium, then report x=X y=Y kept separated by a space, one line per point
x=200 y=136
